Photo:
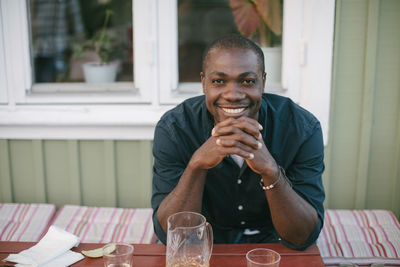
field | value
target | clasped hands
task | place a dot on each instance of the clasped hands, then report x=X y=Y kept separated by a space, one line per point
x=241 y=136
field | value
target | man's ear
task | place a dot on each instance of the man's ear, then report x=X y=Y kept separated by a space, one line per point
x=203 y=81
x=264 y=79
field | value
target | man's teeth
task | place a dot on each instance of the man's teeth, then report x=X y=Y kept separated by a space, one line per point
x=233 y=110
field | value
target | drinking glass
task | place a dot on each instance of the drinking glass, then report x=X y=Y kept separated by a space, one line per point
x=120 y=257
x=262 y=257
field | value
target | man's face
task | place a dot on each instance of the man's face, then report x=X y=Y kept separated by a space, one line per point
x=233 y=83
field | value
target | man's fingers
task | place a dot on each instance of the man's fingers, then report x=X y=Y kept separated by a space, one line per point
x=233 y=126
x=240 y=151
x=249 y=123
x=236 y=129
x=245 y=142
x=259 y=145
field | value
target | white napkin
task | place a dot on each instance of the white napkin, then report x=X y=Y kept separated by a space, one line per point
x=52 y=250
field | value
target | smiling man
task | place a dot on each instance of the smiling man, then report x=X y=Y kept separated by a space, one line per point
x=250 y=162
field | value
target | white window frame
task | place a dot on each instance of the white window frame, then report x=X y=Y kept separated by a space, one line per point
x=3 y=80
x=117 y=114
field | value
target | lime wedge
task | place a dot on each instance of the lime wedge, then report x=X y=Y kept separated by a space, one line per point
x=98 y=252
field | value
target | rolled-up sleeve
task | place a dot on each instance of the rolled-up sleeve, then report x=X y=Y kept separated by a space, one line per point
x=305 y=174
x=167 y=170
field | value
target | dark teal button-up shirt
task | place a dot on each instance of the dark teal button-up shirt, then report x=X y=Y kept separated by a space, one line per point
x=233 y=199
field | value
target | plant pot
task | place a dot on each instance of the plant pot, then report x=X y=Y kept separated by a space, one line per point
x=273 y=64
x=94 y=72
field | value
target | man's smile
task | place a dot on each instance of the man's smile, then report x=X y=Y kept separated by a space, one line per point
x=233 y=110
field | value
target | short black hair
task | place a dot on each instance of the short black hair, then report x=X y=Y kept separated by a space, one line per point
x=234 y=41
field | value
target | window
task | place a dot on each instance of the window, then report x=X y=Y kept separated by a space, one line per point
x=162 y=41
x=21 y=63
x=198 y=23
x=77 y=41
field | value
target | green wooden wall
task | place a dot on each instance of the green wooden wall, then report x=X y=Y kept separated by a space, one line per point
x=94 y=173
x=362 y=156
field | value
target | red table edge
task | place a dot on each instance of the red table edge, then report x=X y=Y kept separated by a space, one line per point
x=156 y=253
x=160 y=249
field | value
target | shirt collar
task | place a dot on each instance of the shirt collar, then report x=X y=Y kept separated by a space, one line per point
x=208 y=121
x=263 y=117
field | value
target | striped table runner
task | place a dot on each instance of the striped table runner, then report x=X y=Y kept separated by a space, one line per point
x=24 y=222
x=104 y=224
x=360 y=236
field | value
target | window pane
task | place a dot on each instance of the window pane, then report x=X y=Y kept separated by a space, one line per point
x=68 y=34
x=202 y=21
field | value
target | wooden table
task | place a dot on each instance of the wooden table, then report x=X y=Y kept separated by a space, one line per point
x=153 y=255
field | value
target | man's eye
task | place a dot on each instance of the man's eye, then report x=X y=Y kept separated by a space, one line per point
x=217 y=81
x=249 y=82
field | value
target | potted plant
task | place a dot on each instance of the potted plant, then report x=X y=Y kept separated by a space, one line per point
x=261 y=20
x=100 y=49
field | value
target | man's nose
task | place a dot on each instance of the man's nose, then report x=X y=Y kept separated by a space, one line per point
x=233 y=92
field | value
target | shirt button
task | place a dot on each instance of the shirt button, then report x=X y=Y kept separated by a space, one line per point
x=239 y=181
x=240 y=207
x=242 y=222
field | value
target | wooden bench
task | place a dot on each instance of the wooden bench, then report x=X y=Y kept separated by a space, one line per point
x=104 y=225
x=29 y=222
x=362 y=237
x=24 y=222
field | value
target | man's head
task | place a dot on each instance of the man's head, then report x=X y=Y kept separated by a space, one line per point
x=233 y=78
x=234 y=41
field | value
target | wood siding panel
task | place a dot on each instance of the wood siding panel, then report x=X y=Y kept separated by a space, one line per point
x=346 y=103
x=134 y=164
x=27 y=186
x=60 y=173
x=367 y=103
x=74 y=172
x=386 y=112
x=94 y=174
x=6 y=188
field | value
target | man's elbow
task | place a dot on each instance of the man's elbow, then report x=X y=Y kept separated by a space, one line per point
x=300 y=240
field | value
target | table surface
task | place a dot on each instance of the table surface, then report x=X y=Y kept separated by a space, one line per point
x=153 y=255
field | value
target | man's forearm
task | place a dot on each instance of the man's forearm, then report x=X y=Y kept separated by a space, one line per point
x=186 y=196
x=293 y=217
